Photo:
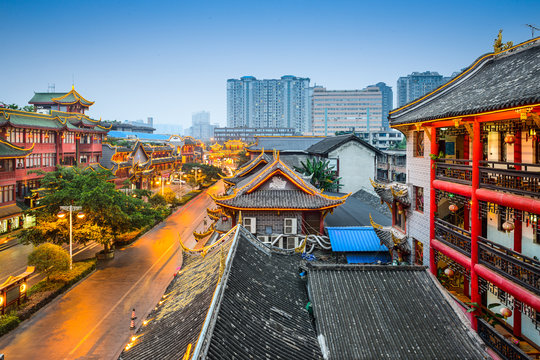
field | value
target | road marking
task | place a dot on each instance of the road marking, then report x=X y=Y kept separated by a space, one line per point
x=122 y=298
x=126 y=294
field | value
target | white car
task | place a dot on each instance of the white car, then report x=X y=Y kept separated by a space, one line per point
x=178 y=182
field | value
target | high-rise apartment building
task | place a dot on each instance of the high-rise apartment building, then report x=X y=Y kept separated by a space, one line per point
x=417 y=84
x=387 y=102
x=345 y=110
x=201 y=128
x=269 y=103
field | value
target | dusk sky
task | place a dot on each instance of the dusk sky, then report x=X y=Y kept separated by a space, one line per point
x=169 y=59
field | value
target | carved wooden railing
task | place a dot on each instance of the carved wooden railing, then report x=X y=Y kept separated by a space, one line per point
x=453 y=236
x=454 y=170
x=521 y=269
x=517 y=178
x=502 y=346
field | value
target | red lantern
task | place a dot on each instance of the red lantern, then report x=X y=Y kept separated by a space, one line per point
x=449 y=272
x=400 y=208
x=508 y=226
x=506 y=312
x=453 y=208
x=509 y=139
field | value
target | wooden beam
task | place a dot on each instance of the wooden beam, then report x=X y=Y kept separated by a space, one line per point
x=536 y=118
x=469 y=130
x=428 y=132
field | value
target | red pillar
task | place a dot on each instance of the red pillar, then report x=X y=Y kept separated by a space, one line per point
x=517 y=231
x=476 y=224
x=432 y=202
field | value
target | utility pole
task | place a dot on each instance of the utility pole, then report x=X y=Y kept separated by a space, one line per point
x=533 y=28
x=80 y=215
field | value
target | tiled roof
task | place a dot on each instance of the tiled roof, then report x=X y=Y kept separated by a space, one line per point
x=282 y=199
x=251 y=168
x=9 y=211
x=331 y=143
x=493 y=82
x=354 y=238
x=284 y=143
x=247 y=195
x=45 y=97
x=54 y=121
x=72 y=97
x=8 y=150
x=387 y=312
x=262 y=311
x=179 y=320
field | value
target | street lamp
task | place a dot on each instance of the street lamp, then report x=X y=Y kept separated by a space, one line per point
x=61 y=215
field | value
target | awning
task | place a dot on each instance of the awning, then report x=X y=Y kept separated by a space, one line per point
x=355 y=239
x=9 y=211
x=369 y=257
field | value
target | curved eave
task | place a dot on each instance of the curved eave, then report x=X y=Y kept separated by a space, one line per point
x=276 y=209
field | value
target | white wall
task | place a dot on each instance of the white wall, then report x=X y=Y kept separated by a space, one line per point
x=356 y=166
x=418 y=174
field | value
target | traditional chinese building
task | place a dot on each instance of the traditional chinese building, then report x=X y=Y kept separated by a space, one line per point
x=41 y=141
x=192 y=150
x=145 y=166
x=275 y=203
x=470 y=210
x=71 y=102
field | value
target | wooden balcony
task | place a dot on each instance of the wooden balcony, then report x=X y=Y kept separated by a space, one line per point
x=454 y=170
x=453 y=236
x=516 y=267
x=90 y=147
x=504 y=176
x=502 y=346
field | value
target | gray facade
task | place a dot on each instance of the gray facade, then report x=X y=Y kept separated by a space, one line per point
x=201 y=128
x=417 y=84
x=249 y=135
x=387 y=102
x=269 y=103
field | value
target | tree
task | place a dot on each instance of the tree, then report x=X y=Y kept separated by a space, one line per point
x=108 y=212
x=169 y=196
x=157 y=200
x=323 y=175
x=49 y=258
x=243 y=158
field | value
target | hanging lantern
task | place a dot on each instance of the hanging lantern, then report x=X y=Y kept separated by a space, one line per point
x=509 y=139
x=506 y=312
x=508 y=226
x=224 y=218
x=46 y=135
x=78 y=137
x=449 y=272
x=453 y=208
x=400 y=208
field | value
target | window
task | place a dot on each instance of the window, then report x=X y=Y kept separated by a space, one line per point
x=15 y=135
x=6 y=165
x=291 y=242
x=250 y=223
x=418 y=144
x=418 y=252
x=398 y=215
x=289 y=226
x=6 y=193
x=502 y=148
x=419 y=198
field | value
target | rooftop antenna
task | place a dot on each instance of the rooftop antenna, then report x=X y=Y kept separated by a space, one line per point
x=51 y=88
x=532 y=29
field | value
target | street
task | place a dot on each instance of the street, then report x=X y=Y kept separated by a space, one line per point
x=92 y=320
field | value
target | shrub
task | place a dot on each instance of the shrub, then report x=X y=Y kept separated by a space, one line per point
x=48 y=258
x=8 y=322
x=157 y=200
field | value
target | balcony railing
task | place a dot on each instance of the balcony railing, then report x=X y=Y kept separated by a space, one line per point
x=454 y=170
x=502 y=346
x=519 y=268
x=453 y=236
x=498 y=175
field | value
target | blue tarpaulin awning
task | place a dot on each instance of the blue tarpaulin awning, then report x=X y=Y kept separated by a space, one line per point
x=369 y=258
x=355 y=239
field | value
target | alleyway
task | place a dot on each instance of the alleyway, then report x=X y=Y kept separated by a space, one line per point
x=92 y=320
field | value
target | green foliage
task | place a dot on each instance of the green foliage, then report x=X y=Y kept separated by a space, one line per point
x=169 y=196
x=157 y=200
x=8 y=322
x=48 y=258
x=402 y=145
x=490 y=318
x=243 y=158
x=322 y=174
x=140 y=193
x=208 y=171
x=108 y=212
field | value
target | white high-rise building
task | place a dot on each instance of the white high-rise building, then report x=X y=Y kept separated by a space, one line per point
x=269 y=103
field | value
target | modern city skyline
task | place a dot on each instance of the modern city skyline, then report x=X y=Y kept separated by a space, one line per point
x=269 y=103
x=417 y=84
x=179 y=60
x=346 y=110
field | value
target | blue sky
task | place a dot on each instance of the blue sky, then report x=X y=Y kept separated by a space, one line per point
x=168 y=59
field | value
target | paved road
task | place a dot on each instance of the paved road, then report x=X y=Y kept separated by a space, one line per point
x=91 y=321
x=14 y=259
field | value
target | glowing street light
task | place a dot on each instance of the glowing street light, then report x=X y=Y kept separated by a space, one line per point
x=61 y=215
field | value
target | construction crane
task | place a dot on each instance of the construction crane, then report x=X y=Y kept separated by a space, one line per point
x=532 y=29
